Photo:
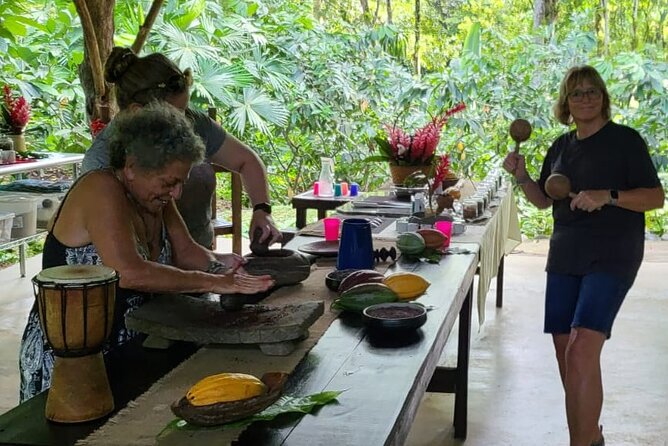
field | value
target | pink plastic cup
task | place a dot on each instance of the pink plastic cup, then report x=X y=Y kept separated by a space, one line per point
x=331 y=228
x=446 y=228
x=316 y=188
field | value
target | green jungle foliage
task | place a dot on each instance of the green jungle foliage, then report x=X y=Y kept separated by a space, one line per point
x=298 y=80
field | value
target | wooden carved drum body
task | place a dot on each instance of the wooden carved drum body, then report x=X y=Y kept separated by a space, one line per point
x=76 y=311
x=76 y=307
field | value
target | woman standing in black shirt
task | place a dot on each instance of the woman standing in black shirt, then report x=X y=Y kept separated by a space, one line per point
x=598 y=237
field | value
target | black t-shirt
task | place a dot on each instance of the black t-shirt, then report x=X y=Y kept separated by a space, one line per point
x=612 y=239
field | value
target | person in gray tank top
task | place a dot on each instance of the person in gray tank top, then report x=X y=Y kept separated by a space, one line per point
x=141 y=80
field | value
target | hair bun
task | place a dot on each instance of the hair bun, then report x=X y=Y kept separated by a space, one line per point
x=119 y=61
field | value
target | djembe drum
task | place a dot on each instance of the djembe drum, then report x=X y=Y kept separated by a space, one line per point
x=76 y=312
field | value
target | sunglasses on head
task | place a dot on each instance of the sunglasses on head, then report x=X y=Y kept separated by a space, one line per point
x=174 y=84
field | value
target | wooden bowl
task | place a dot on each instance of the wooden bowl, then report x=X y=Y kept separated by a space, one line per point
x=221 y=413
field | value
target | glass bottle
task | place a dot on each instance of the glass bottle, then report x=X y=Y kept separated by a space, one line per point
x=326 y=179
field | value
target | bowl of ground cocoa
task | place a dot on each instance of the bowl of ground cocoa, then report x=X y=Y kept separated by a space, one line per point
x=395 y=316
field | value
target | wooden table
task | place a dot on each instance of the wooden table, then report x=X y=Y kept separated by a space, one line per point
x=140 y=368
x=385 y=379
x=306 y=200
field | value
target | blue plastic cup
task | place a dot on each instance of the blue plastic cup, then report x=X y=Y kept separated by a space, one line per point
x=356 y=246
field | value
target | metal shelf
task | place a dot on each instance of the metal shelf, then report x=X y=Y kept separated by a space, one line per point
x=22 y=243
x=13 y=243
x=52 y=160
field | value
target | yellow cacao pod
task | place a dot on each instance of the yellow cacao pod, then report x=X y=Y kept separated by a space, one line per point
x=407 y=285
x=433 y=238
x=225 y=387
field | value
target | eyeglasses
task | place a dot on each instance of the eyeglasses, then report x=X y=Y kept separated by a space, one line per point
x=579 y=95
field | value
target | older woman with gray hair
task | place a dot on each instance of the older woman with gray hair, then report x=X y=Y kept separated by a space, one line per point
x=124 y=217
x=141 y=80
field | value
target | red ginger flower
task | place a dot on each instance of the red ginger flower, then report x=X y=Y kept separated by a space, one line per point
x=96 y=126
x=16 y=112
x=442 y=169
x=420 y=147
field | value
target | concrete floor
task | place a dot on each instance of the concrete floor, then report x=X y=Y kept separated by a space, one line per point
x=515 y=397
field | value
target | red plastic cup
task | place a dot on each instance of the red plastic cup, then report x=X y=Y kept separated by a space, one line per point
x=332 y=225
x=344 y=188
x=316 y=188
x=445 y=227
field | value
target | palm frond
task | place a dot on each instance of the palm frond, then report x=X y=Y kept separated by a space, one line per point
x=186 y=50
x=220 y=81
x=257 y=108
x=270 y=69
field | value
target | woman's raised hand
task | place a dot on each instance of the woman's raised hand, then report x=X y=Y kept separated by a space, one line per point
x=515 y=165
x=243 y=283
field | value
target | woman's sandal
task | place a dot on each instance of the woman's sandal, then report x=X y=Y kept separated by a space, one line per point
x=600 y=442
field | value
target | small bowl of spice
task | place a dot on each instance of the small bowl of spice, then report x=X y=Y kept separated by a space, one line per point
x=395 y=316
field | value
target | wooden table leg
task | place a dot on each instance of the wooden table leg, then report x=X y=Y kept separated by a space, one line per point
x=499 y=283
x=301 y=217
x=322 y=213
x=462 y=379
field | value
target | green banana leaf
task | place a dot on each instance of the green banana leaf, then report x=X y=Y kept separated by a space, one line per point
x=285 y=404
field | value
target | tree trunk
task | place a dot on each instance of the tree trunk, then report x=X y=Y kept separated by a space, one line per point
x=605 y=14
x=659 y=33
x=544 y=12
x=538 y=12
x=375 y=14
x=97 y=19
x=145 y=28
x=416 y=56
x=389 y=10
x=634 y=25
x=102 y=16
x=365 y=7
x=317 y=8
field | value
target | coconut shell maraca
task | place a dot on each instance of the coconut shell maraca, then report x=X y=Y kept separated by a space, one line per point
x=558 y=187
x=520 y=131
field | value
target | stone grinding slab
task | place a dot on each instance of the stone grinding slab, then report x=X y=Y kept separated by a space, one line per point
x=202 y=320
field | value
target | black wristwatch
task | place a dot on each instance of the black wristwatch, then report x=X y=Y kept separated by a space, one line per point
x=614 y=196
x=266 y=207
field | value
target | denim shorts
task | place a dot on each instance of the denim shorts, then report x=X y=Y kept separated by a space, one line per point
x=590 y=301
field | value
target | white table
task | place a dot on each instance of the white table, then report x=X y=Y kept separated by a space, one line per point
x=495 y=237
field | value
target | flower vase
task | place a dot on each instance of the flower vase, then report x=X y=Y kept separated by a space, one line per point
x=399 y=173
x=19 y=141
